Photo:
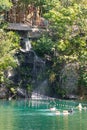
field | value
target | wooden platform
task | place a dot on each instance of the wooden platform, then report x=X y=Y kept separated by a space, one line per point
x=19 y=27
x=32 y=31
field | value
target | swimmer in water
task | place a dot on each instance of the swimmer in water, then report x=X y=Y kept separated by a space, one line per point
x=71 y=110
x=79 y=106
x=53 y=109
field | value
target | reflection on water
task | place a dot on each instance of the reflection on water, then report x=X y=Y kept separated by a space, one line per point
x=36 y=115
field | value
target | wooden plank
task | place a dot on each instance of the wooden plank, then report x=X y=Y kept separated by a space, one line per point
x=19 y=26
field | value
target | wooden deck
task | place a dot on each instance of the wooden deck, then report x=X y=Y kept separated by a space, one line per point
x=24 y=27
x=25 y=18
x=33 y=31
x=19 y=27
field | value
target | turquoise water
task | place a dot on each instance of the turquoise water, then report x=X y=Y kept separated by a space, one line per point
x=36 y=115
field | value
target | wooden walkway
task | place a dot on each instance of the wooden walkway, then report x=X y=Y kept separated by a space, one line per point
x=23 y=27
x=19 y=27
x=34 y=31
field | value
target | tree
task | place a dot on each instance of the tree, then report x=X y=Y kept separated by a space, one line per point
x=5 y=5
x=8 y=47
x=68 y=28
x=68 y=35
x=43 y=46
x=8 y=43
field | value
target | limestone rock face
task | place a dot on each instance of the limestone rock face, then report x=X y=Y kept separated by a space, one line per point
x=69 y=79
x=3 y=92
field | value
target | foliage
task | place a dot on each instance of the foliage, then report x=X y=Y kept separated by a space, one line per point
x=8 y=47
x=83 y=76
x=43 y=46
x=8 y=42
x=29 y=88
x=42 y=5
x=65 y=43
x=68 y=36
x=69 y=28
x=5 y=5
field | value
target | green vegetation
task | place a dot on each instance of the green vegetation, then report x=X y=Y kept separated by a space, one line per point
x=8 y=43
x=5 y=5
x=65 y=41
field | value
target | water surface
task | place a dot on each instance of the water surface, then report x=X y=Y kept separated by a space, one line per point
x=36 y=115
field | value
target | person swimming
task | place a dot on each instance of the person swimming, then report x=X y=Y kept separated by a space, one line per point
x=79 y=106
x=71 y=110
x=65 y=112
x=57 y=112
x=53 y=109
